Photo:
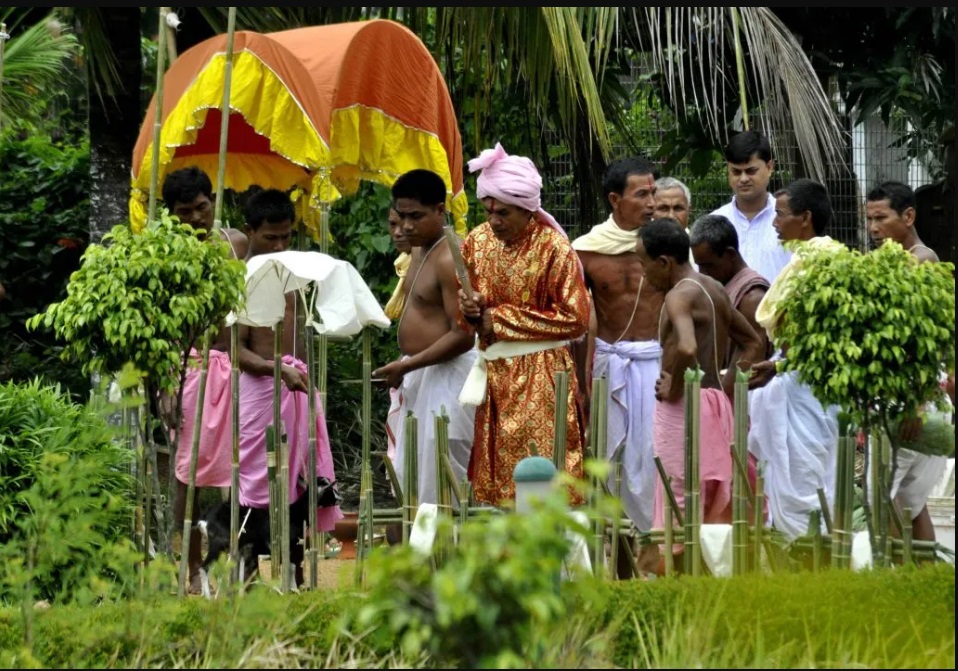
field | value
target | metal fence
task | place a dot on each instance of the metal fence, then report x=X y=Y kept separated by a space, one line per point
x=870 y=157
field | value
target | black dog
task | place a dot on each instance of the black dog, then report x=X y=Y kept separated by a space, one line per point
x=254 y=539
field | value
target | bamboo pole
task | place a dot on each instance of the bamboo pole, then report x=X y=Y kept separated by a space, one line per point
x=410 y=474
x=561 y=419
x=669 y=494
x=191 y=480
x=616 y=520
x=157 y=120
x=740 y=65
x=875 y=493
x=669 y=530
x=598 y=430
x=740 y=481
x=443 y=496
x=759 y=526
x=826 y=513
x=165 y=13
x=286 y=566
x=145 y=448
x=4 y=36
x=234 y=461
x=275 y=501
x=225 y=122
x=272 y=441
x=367 y=392
x=313 y=495
x=815 y=531
x=693 y=517
x=907 y=538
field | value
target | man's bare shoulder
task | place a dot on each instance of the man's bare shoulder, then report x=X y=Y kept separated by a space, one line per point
x=925 y=255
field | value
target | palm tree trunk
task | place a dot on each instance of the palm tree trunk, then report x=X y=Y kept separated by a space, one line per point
x=114 y=125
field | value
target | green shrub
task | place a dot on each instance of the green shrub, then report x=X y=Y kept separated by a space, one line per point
x=65 y=503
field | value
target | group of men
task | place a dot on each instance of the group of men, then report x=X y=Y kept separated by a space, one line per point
x=639 y=299
x=269 y=218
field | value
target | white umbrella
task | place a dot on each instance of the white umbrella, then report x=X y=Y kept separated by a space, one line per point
x=342 y=299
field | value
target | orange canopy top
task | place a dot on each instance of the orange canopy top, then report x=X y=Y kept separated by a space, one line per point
x=319 y=108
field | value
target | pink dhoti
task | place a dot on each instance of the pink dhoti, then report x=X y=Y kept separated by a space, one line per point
x=716 y=433
x=256 y=413
x=214 y=457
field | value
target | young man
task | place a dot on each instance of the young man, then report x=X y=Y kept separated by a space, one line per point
x=697 y=323
x=715 y=249
x=748 y=156
x=437 y=354
x=624 y=331
x=790 y=430
x=188 y=195
x=890 y=213
x=529 y=300
x=673 y=200
x=269 y=225
x=394 y=306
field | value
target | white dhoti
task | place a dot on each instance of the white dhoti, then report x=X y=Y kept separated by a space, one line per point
x=631 y=369
x=425 y=392
x=798 y=441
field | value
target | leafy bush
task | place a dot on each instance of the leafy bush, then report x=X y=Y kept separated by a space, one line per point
x=65 y=504
x=144 y=299
x=44 y=222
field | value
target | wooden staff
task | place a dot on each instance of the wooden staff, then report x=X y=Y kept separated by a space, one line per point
x=461 y=272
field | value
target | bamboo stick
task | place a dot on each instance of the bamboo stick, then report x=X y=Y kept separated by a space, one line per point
x=561 y=419
x=874 y=493
x=669 y=531
x=170 y=33
x=286 y=565
x=598 y=436
x=616 y=520
x=191 y=480
x=826 y=515
x=815 y=531
x=276 y=502
x=367 y=392
x=907 y=538
x=393 y=477
x=740 y=484
x=234 y=465
x=443 y=495
x=4 y=36
x=157 y=120
x=849 y=498
x=693 y=518
x=759 y=505
x=225 y=121
x=313 y=495
x=410 y=475
x=669 y=494
x=272 y=440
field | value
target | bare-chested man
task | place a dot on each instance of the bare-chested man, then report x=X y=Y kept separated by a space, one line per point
x=697 y=324
x=623 y=342
x=269 y=225
x=437 y=354
x=890 y=213
x=188 y=195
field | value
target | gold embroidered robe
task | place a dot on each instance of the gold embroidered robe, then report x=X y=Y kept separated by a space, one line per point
x=535 y=292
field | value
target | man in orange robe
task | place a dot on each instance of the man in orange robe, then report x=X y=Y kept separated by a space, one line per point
x=529 y=301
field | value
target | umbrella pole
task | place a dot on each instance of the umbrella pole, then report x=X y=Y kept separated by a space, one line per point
x=225 y=113
x=157 y=119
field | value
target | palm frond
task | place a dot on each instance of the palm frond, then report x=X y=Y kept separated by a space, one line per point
x=690 y=47
x=99 y=60
x=34 y=60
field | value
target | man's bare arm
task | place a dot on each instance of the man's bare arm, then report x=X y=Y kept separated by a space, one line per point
x=744 y=336
x=252 y=363
x=678 y=306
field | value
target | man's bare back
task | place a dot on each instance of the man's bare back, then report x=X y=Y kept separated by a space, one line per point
x=614 y=282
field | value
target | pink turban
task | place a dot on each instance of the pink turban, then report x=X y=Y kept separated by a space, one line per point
x=513 y=180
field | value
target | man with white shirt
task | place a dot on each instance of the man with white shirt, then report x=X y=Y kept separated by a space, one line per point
x=752 y=208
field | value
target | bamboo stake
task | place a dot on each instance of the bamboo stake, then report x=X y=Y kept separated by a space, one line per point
x=145 y=447
x=740 y=65
x=877 y=480
x=170 y=33
x=225 y=122
x=616 y=520
x=838 y=525
x=740 y=481
x=826 y=514
x=367 y=392
x=4 y=36
x=759 y=505
x=907 y=538
x=410 y=475
x=669 y=494
x=234 y=463
x=314 y=546
x=286 y=566
x=272 y=440
x=443 y=496
x=693 y=519
x=815 y=531
x=598 y=435
x=191 y=480
x=157 y=120
x=561 y=419
x=275 y=502
x=669 y=531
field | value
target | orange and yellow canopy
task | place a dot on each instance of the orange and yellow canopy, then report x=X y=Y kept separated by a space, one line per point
x=319 y=108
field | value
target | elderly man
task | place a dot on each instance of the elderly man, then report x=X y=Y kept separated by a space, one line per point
x=528 y=301
x=673 y=200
